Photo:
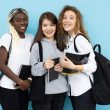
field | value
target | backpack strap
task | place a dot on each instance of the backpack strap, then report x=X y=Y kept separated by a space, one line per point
x=9 y=52
x=40 y=51
x=75 y=48
x=98 y=46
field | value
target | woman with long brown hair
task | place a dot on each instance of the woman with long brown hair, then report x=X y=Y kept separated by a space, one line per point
x=55 y=91
x=71 y=27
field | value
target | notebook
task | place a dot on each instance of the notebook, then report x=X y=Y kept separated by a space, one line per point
x=25 y=72
x=52 y=74
x=77 y=59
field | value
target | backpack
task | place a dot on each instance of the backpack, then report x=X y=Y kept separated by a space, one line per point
x=101 y=85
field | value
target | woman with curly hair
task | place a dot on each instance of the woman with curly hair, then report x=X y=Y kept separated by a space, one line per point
x=71 y=27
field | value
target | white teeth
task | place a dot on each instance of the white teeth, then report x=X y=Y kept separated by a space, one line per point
x=67 y=25
x=22 y=28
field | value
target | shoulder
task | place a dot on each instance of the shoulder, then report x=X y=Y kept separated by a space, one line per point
x=6 y=36
x=83 y=44
x=5 y=40
x=81 y=39
x=29 y=36
x=35 y=46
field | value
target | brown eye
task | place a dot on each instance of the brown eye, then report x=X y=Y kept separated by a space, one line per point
x=52 y=25
x=64 y=17
x=44 y=25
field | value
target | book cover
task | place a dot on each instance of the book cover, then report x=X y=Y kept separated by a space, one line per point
x=77 y=59
x=52 y=74
x=25 y=72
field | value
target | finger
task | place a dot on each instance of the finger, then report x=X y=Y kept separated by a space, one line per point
x=67 y=59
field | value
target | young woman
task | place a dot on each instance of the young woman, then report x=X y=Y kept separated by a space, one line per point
x=55 y=91
x=13 y=98
x=71 y=26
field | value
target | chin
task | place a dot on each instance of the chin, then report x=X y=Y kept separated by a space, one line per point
x=23 y=31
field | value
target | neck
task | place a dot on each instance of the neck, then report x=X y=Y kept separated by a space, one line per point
x=22 y=35
x=51 y=39
x=71 y=33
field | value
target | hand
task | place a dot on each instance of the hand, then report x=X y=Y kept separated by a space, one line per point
x=67 y=63
x=24 y=85
x=48 y=64
x=58 y=68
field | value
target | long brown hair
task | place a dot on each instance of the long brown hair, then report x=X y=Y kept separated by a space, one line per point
x=62 y=34
x=51 y=17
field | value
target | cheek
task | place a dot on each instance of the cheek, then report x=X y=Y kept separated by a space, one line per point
x=26 y=22
x=54 y=29
x=43 y=29
x=63 y=22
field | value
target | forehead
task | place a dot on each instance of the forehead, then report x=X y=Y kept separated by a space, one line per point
x=46 y=21
x=19 y=15
x=69 y=13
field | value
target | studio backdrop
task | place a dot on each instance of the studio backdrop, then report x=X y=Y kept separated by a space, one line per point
x=96 y=19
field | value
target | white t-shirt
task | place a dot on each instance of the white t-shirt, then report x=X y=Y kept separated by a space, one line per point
x=20 y=54
x=80 y=82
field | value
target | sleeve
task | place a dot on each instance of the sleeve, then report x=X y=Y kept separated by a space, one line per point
x=5 y=41
x=84 y=46
x=37 y=66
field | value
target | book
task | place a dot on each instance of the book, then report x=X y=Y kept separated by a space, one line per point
x=25 y=72
x=52 y=74
x=77 y=59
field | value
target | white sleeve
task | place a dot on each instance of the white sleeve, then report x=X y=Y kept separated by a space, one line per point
x=85 y=47
x=5 y=41
x=37 y=67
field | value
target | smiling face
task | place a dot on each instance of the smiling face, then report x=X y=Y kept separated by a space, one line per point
x=69 y=21
x=48 y=29
x=20 y=22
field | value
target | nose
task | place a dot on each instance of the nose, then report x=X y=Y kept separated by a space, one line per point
x=66 y=20
x=48 y=27
x=22 y=22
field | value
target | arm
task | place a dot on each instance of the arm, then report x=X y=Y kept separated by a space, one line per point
x=85 y=47
x=7 y=71
x=37 y=66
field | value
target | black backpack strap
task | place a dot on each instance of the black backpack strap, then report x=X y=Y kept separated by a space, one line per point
x=9 y=52
x=98 y=46
x=40 y=51
x=75 y=47
x=75 y=43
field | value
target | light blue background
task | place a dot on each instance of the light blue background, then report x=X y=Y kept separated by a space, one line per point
x=96 y=18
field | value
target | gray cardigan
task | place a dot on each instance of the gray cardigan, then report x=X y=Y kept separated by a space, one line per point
x=49 y=51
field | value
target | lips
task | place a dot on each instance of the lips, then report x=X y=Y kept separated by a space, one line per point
x=23 y=28
x=49 y=32
x=67 y=25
